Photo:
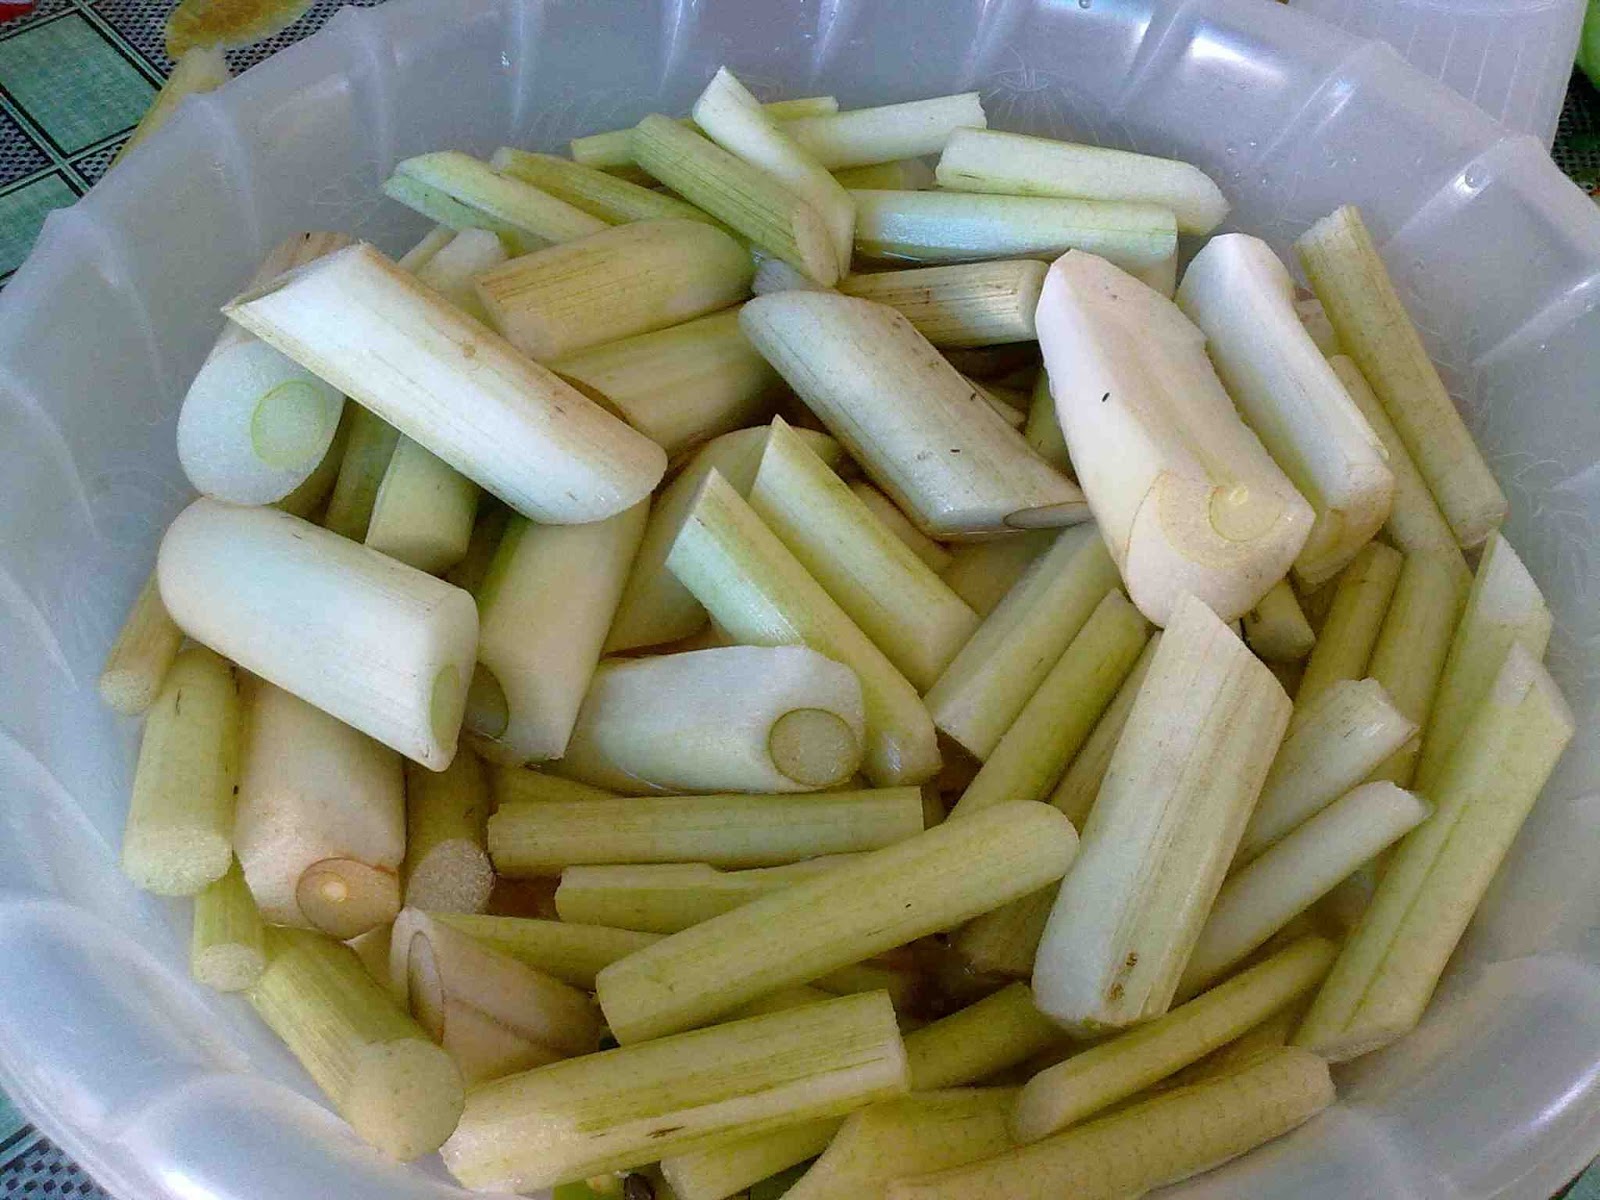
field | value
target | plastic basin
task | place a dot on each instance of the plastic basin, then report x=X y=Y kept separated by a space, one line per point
x=165 y=1091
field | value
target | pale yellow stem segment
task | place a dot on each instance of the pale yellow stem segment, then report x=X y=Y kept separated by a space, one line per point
x=936 y=556
x=630 y=1106
x=142 y=655
x=888 y=133
x=1349 y=277
x=368 y=448
x=1392 y=962
x=423 y=512
x=928 y=882
x=1006 y=941
x=902 y=175
x=981 y=573
x=1276 y=628
x=458 y=190
x=612 y=150
x=1164 y=1140
x=516 y=785
x=1043 y=429
x=543 y=837
x=447 y=868
x=309 y=500
x=228 y=946
x=572 y=953
x=973 y=304
x=1080 y=785
x=615 y=201
x=1345 y=641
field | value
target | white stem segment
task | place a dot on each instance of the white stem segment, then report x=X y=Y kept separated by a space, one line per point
x=891 y=594
x=1119 y=1067
x=1028 y=760
x=399 y=1092
x=423 y=512
x=1375 y=330
x=396 y=347
x=1186 y=496
x=1295 y=873
x=981 y=692
x=138 y=661
x=254 y=423
x=1080 y=785
x=864 y=136
x=615 y=201
x=542 y=837
x=1336 y=742
x=896 y=522
x=1350 y=630
x=376 y=643
x=491 y=1012
x=569 y=952
x=178 y=836
x=612 y=150
x=1276 y=628
x=1242 y=298
x=885 y=899
x=634 y=1105
x=940 y=226
x=1180 y=787
x=668 y=897
x=447 y=864
x=309 y=500
x=970 y=304
x=451 y=269
x=625 y=280
x=735 y=719
x=1164 y=1140
x=545 y=606
x=1391 y=964
x=322 y=823
x=680 y=386
x=458 y=190
x=901 y=175
x=981 y=573
x=916 y=426
x=987 y=160
x=759 y=592
x=228 y=946
x=1504 y=609
x=369 y=446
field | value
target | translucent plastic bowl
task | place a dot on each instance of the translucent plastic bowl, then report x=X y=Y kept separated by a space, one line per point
x=163 y=1090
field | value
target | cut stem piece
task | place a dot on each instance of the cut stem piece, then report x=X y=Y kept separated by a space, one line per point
x=179 y=832
x=736 y=719
x=634 y=1105
x=569 y=952
x=757 y=591
x=1080 y=785
x=973 y=304
x=228 y=947
x=545 y=606
x=1391 y=964
x=542 y=837
x=726 y=1170
x=918 y=428
x=321 y=828
x=513 y=785
x=981 y=692
x=614 y=200
x=399 y=1092
x=1276 y=629
x=1375 y=330
x=973 y=1043
x=981 y=573
x=458 y=190
x=1180 y=787
x=1005 y=942
x=926 y=883
x=451 y=269
x=668 y=897
x=1345 y=641
x=986 y=160
x=309 y=500
x=254 y=423
x=423 y=512
x=612 y=150
x=902 y=175
x=398 y=348
x=368 y=449
x=864 y=136
x=376 y=643
x=892 y=595
x=938 y=226
x=1186 y=496
x=1043 y=429
x=138 y=662
x=896 y=522
x=1242 y=298
x=620 y=282
x=1028 y=760
x=446 y=865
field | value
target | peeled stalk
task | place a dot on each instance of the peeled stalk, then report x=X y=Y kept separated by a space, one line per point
x=612 y=150
x=620 y=282
x=376 y=643
x=981 y=573
x=1242 y=298
x=1336 y=742
x=987 y=160
x=1276 y=629
x=973 y=304
x=254 y=423
x=1043 y=429
x=1030 y=757
x=896 y=522
x=1080 y=785
x=1391 y=963
x=615 y=201
x=864 y=136
x=397 y=348
x=572 y=953
x=1296 y=872
x=890 y=594
x=399 y=1092
x=928 y=882
x=990 y=681
x=901 y=175
x=759 y=592
x=423 y=512
x=322 y=824
x=941 y=226
x=1186 y=496
x=309 y=500
x=544 y=608
x=447 y=866
x=917 y=427
x=1348 y=634
x=668 y=897
x=516 y=785
x=458 y=190
x=138 y=661
x=369 y=447
x=1375 y=330
x=451 y=269
x=1180 y=787
x=1315 y=319
x=543 y=837
x=1504 y=608
x=228 y=946
x=179 y=830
